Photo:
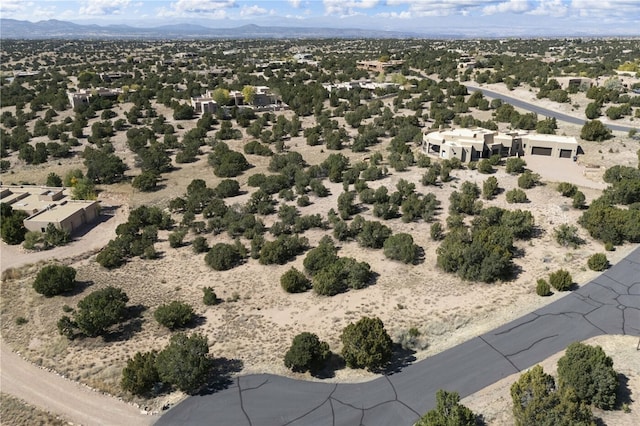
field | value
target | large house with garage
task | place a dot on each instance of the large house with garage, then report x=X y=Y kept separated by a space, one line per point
x=475 y=144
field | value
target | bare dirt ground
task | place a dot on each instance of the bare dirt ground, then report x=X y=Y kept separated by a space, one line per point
x=80 y=403
x=495 y=404
x=258 y=327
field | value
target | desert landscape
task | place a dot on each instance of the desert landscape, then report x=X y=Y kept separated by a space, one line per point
x=257 y=320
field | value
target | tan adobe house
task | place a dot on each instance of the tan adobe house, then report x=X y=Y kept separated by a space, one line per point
x=263 y=100
x=379 y=66
x=474 y=144
x=83 y=95
x=46 y=205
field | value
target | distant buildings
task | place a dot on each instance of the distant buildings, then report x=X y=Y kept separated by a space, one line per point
x=379 y=66
x=47 y=205
x=362 y=84
x=82 y=96
x=474 y=144
x=263 y=100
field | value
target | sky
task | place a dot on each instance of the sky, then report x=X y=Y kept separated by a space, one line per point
x=490 y=17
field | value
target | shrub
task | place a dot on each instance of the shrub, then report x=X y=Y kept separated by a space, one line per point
x=307 y=353
x=595 y=131
x=140 y=375
x=609 y=246
x=489 y=188
x=561 y=280
x=176 y=238
x=55 y=279
x=485 y=167
x=543 y=288
x=567 y=236
x=401 y=247
x=100 y=310
x=589 y=372
x=174 y=315
x=209 y=297
x=516 y=196
x=436 y=231
x=448 y=411
x=578 y=200
x=537 y=402
x=294 y=281
x=146 y=181
x=329 y=281
x=282 y=250
x=222 y=257
x=567 y=189
x=185 y=362
x=515 y=165
x=366 y=344
x=227 y=188
x=200 y=244
x=598 y=262
x=528 y=180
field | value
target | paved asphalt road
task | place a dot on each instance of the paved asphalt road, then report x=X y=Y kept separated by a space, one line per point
x=539 y=110
x=610 y=304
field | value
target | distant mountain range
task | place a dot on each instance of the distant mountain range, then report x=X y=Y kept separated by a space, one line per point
x=15 y=29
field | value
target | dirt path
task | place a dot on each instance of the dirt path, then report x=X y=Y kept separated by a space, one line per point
x=48 y=390
x=58 y=395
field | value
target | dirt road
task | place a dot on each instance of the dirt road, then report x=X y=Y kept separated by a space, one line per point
x=48 y=390
x=58 y=395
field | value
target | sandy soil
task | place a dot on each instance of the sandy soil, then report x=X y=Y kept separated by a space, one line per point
x=495 y=404
x=80 y=403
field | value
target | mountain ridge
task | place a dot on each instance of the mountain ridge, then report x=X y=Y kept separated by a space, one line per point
x=53 y=28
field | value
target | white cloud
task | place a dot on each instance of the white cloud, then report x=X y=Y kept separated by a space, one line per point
x=26 y=10
x=254 y=10
x=422 y=8
x=510 y=6
x=555 y=8
x=14 y=6
x=347 y=7
x=103 y=7
x=295 y=3
x=216 y=9
x=608 y=7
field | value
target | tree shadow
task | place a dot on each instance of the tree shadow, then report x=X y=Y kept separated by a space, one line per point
x=79 y=288
x=124 y=332
x=197 y=321
x=420 y=256
x=130 y=326
x=623 y=393
x=335 y=363
x=401 y=358
x=220 y=375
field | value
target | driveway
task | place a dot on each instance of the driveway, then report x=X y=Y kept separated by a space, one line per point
x=609 y=304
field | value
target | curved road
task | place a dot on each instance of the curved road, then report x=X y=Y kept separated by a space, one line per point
x=609 y=304
x=539 y=110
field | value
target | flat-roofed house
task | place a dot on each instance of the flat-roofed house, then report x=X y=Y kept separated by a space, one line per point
x=82 y=96
x=202 y=104
x=550 y=145
x=474 y=144
x=47 y=205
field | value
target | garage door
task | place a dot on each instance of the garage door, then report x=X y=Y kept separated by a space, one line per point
x=565 y=153
x=538 y=150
